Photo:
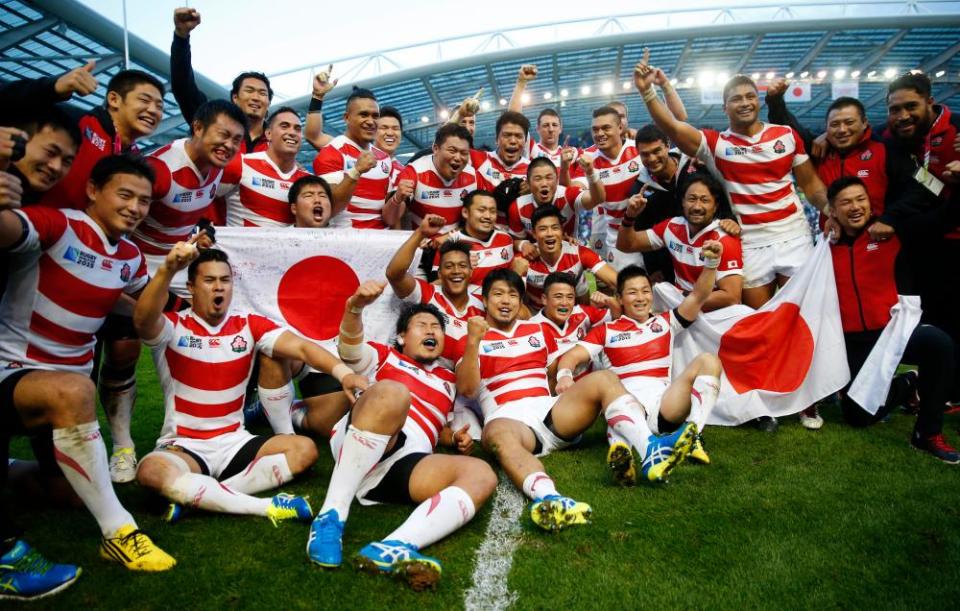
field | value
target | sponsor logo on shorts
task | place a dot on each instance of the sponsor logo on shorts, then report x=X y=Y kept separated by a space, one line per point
x=238 y=344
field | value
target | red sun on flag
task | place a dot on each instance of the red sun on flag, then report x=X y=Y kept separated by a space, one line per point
x=797 y=91
x=312 y=294
x=768 y=351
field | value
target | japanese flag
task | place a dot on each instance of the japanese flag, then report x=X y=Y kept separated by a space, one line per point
x=777 y=360
x=797 y=91
x=303 y=277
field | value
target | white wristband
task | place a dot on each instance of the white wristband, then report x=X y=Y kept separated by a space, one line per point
x=564 y=373
x=341 y=371
x=354 y=173
x=593 y=178
x=711 y=263
x=649 y=95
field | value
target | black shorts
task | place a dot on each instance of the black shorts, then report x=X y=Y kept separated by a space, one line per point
x=240 y=461
x=116 y=327
x=315 y=384
x=10 y=422
x=395 y=485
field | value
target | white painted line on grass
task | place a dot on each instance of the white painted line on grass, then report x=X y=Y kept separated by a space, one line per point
x=495 y=556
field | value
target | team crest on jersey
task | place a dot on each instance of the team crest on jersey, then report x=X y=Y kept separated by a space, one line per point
x=866 y=155
x=863 y=173
x=655 y=326
x=534 y=341
x=95 y=139
x=778 y=147
x=214 y=342
x=633 y=167
x=266 y=183
x=125 y=272
x=505 y=254
x=238 y=344
x=384 y=167
x=79 y=257
x=183 y=198
x=188 y=341
x=463 y=194
x=581 y=333
x=936 y=141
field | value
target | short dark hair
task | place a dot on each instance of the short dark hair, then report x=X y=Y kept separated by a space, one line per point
x=207 y=255
x=125 y=163
x=735 y=81
x=260 y=76
x=548 y=112
x=651 y=133
x=473 y=195
x=305 y=181
x=359 y=93
x=606 y=110
x=842 y=183
x=545 y=211
x=918 y=82
x=455 y=246
x=628 y=273
x=843 y=102
x=561 y=278
x=53 y=117
x=125 y=81
x=515 y=118
x=409 y=310
x=714 y=186
x=539 y=161
x=391 y=111
x=504 y=274
x=452 y=130
x=280 y=111
x=208 y=112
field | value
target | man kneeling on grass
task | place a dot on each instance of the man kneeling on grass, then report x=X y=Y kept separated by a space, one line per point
x=204 y=357
x=384 y=447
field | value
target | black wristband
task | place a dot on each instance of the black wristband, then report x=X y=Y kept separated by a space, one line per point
x=628 y=221
x=315 y=105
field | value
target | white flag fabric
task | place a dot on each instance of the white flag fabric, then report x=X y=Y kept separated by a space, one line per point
x=872 y=384
x=303 y=277
x=848 y=89
x=798 y=91
x=777 y=360
x=711 y=95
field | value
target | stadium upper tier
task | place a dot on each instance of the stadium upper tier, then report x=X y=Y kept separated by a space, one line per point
x=582 y=64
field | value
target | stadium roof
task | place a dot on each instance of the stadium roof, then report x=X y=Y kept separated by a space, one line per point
x=876 y=39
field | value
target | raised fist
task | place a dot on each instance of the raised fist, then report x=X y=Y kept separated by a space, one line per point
x=471 y=105
x=180 y=256
x=477 y=327
x=322 y=83
x=78 y=81
x=712 y=249
x=528 y=72
x=13 y=144
x=366 y=162
x=777 y=88
x=184 y=20
x=636 y=203
x=730 y=226
x=586 y=164
x=431 y=224
x=11 y=191
x=366 y=293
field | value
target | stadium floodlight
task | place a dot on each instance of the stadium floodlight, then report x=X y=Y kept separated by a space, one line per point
x=889 y=73
x=705 y=78
x=564 y=93
x=585 y=90
x=424 y=119
x=689 y=80
x=607 y=87
x=563 y=103
x=871 y=74
x=821 y=74
x=916 y=71
x=525 y=98
x=547 y=95
x=485 y=105
x=755 y=76
x=444 y=114
x=503 y=102
x=626 y=85
x=770 y=75
x=839 y=73
x=722 y=78
x=804 y=74
x=855 y=74
x=788 y=75
x=940 y=73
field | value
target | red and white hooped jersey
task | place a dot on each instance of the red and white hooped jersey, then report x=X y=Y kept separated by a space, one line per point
x=513 y=365
x=432 y=388
x=536 y=149
x=256 y=191
x=181 y=197
x=495 y=170
x=758 y=174
x=573 y=259
x=493 y=253
x=636 y=349
x=434 y=195
x=581 y=320
x=395 y=168
x=455 y=330
x=365 y=210
x=204 y=370
x=674 y=235
x=64 y=276
x=617 y=175
x=520 y=214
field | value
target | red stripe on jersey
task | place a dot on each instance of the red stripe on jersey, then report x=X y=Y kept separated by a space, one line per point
x=183 y=431
x=208 y=376
x=207 y=410
x=42 y=356
x=768 y=217
x=658 y=372
x=61 y=335
x=172 y=217
x=523 y=393
x=72 y=294
x=265 y=206
x=762 y=198
x=655 y=349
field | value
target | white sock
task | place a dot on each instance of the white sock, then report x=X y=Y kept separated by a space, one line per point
x=703 y=397
x=360 y=452
x=626 y=417
x=538 y=485
x=118 y=398
x=264 y=473
x=196 y=490
x=298 y=412
x=613 y=437
x=82 y=457
x=435 y=518
x=276 y=405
